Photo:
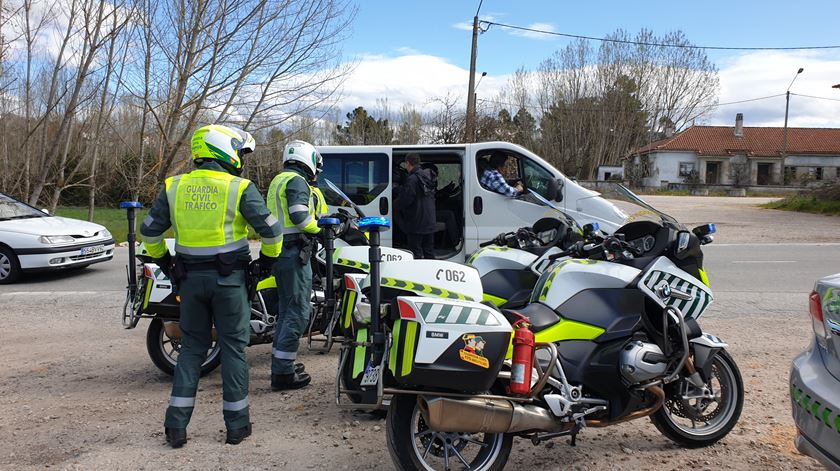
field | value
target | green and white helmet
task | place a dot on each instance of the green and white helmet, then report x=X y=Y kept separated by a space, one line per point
x=223 y=144
x=304 y=153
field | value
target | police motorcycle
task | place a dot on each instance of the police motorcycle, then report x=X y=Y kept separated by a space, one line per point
x=346 y=264
x=510 y=264
x=610 y=335
x=150 y=294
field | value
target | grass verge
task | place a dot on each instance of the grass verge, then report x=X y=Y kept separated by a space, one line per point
x=806 y=204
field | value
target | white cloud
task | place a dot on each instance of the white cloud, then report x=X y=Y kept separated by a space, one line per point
x=762 y=74
x=533 y=34
x=413 y=79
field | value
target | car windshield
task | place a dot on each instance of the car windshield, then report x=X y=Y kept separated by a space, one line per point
x=634 y=208
x=11 y=208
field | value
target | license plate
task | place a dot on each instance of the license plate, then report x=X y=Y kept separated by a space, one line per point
x=93 y=250
x=371 y=377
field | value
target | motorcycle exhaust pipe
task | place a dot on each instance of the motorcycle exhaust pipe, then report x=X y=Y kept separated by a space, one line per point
x=486 y=416
x=172 y=330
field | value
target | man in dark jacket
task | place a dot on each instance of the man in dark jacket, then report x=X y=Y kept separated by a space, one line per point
x=415 y=203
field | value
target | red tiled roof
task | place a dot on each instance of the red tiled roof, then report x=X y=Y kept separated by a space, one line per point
x=756 y=141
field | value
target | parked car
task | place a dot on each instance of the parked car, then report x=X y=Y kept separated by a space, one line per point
x=815 y=379
x=31 y=240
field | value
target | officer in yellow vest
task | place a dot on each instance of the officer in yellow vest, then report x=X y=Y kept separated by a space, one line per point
x=209 y=210
x=289 y=199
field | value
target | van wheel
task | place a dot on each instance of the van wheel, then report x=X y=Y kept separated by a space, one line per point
x=164 y=351
x=9 y=266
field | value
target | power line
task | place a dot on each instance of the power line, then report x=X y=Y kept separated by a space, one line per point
x=607 y=110
x=643 y=43
x=816 y=97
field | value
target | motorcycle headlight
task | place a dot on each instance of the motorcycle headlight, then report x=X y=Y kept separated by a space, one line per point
x=56 y=239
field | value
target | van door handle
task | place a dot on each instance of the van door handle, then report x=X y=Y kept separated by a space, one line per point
x=478 y=205
x=383 y=206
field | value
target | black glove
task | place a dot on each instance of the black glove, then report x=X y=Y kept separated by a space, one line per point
x=165 y=264
x=266 y=263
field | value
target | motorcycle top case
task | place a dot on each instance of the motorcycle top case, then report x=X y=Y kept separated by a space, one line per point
x=447 y=344
x=355 y=258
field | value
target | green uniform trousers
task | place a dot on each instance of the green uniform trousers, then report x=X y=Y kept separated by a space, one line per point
x=294 y=287
x=208 y=299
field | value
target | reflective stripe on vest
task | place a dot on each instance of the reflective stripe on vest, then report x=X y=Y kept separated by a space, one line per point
x=278 y=204
x=204 y=210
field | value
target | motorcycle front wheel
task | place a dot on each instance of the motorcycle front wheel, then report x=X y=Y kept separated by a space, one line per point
x=701 y=421
x=414 y=446
x=164 y=351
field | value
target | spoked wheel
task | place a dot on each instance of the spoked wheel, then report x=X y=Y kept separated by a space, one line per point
x=695 y=418
x=414 y=446
x=164 y=351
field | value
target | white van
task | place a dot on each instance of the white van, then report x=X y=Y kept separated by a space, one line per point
x=467 y=212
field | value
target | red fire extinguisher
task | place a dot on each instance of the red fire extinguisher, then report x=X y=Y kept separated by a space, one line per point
x=523 y=358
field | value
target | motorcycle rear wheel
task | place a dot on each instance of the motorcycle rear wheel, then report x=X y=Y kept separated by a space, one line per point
x=164 y=351
x=710 y=425
x=413 y=446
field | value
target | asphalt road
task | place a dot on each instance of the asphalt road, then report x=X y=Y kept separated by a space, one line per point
x=772 y=268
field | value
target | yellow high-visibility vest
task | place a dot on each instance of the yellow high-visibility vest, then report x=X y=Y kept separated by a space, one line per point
x=204 y=211
x=277 y=194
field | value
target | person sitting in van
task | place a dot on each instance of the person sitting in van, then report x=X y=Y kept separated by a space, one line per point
x=493 y=180
x=415 y=203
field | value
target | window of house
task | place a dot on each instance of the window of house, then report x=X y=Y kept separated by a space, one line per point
x=363 y=177
x=818 y=173
x=686 y=168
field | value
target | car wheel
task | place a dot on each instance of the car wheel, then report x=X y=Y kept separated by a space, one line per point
x=9 y=266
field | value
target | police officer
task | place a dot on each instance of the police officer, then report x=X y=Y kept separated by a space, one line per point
x=290 y=200
x=209 y=210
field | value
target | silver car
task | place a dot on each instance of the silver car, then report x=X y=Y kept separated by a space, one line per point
x=815 y=379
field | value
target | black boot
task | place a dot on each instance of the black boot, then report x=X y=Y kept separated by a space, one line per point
x=175 y=437
x=235 y=436
x=289 y=381
x=300 y=368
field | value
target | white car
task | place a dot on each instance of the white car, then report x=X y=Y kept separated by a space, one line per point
x=31 y=240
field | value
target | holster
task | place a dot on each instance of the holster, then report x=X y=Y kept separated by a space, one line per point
x=307 y=243
x=252 y=277
x=177 y=273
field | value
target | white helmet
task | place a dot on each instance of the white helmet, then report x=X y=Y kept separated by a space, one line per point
x=304 y=153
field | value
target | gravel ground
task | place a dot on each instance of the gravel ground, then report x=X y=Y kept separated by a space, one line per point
x=79 y=392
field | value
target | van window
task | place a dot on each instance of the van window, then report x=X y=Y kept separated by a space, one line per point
x=536 y=178
x=363 y=177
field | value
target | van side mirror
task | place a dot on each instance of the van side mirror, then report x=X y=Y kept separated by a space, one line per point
x=556 y=189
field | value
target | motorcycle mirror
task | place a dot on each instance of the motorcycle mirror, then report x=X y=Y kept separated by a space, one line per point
x=704 y=230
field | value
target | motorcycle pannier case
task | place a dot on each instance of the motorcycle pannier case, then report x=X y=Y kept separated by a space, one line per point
x=447 y=344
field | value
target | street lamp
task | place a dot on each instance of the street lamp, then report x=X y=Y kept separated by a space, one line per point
x=785 y=138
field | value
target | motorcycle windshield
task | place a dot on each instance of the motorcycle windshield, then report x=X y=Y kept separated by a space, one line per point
x=562 y=215
x=332 y=187
x=630 y=207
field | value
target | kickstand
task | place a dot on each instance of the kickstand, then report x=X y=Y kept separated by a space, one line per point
x=574 y=433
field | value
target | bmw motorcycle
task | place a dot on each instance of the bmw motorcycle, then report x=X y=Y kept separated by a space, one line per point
x=510 y=264
x=610 y=334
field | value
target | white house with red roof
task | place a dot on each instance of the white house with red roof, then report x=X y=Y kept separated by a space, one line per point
x=723 y=155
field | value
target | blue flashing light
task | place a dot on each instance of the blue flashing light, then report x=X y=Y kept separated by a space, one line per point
x=712 y=228
x=374 y=223
x=595 y=226
x=323 y=222
x=130 y=204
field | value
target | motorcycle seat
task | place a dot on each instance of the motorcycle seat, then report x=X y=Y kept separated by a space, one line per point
x=539 y=316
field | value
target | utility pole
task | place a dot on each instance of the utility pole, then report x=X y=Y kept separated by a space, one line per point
x=785 y=134
x=469 y=125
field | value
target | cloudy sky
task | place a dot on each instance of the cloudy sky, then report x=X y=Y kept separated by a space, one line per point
x=414 y=50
